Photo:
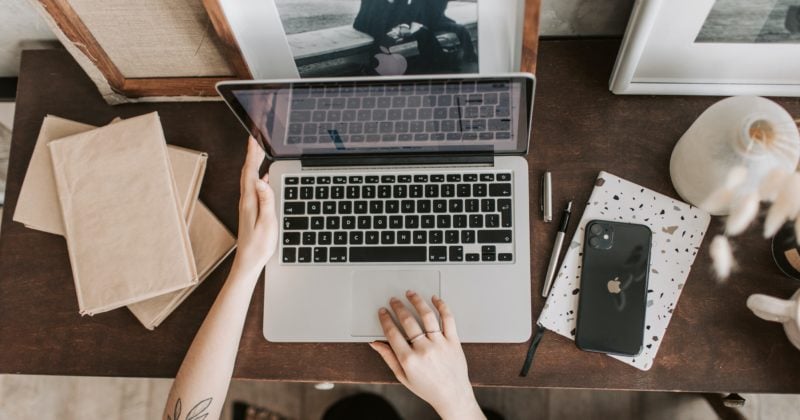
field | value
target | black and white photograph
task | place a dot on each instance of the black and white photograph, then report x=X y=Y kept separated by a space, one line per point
x=338 y=38
x=752 y=21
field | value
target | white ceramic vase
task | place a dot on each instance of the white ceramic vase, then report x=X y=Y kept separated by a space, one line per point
x=747 y=131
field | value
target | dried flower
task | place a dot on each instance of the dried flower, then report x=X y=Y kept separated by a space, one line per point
x=742 y=214
x=785 y=207
x=722 y=257
x=772 y=183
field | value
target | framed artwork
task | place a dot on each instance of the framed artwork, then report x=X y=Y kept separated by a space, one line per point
x=710 y=47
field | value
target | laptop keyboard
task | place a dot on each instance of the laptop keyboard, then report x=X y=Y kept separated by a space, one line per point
x=406 y=112
x=443 y=217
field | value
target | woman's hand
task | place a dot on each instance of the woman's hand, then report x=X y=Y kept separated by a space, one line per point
x=431 y=362
x=258 y=224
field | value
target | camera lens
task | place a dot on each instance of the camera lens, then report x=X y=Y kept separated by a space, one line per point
x=594 y=242
x=596 y=229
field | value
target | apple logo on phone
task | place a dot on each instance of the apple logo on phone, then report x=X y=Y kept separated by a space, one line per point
x=613 y=286
x=390 y=64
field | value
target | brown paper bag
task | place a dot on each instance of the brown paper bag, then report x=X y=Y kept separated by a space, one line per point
x=125 y=228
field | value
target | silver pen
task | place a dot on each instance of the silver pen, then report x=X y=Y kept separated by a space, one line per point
x=551 y=268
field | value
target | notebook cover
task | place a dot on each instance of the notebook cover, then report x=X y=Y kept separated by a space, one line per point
x=211 y=243
x=678 y=231
x=125 y=230
x=38 y=207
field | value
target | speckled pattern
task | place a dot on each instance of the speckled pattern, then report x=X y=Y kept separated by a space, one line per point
x=678 y=230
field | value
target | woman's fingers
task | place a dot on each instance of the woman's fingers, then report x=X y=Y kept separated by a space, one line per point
x=392 y=333
x=249 y=198
x=266 y=200
x=448 y=322
x=389 y=357
x=410 y=325
x=426 y=314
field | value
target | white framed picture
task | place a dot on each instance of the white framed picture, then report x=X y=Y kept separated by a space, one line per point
x=710 y=47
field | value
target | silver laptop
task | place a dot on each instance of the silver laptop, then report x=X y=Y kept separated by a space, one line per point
x=390 y=184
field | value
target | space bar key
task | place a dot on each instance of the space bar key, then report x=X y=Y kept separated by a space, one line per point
x=388 y=253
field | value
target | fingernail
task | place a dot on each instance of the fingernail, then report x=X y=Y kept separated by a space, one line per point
x=372 y=346
x=393 y=300
x=434 y=297
x=261 y=185
x=410 y=292
x=383 y=311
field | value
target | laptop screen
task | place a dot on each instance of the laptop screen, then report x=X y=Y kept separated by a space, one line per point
x=294 y=119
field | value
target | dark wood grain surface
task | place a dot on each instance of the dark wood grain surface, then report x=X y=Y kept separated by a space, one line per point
x=713 y=343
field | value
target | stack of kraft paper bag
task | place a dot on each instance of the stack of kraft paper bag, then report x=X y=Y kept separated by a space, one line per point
x=126 y=202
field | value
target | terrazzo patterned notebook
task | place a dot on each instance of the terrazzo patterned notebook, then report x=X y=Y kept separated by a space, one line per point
x=678 y=231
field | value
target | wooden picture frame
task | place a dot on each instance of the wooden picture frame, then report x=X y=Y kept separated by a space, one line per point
x=79 y=39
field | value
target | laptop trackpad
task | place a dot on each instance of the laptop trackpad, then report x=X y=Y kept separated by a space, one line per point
x=373 y=288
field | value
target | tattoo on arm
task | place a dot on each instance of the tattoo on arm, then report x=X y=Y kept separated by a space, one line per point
x=198 y=412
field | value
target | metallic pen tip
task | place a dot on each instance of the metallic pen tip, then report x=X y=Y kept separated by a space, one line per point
x=569 y=206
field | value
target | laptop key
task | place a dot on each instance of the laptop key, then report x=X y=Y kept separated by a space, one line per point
x=297 y=207
x=451 y=237
x=317 y=223
x=379 y=222
x=307 y=180
x=420 y=237
x=324 y=238
x=387 y=237
x=504 y=257
x=437 y=253
x=443 y=221
x=459 y=220
x=304 y=254
x=329 y=207
x=291 y=180
x=340 y=238
x=320 y=254
x=435 y=237
x=306 y=193
x=360 y=207
x=407 y=253
x=428 y=221
x=364 y=222
x=332 y=222
x=295 y=223
x=492 y=221
x=494 y=236
x=439 y=206
x=487 y=205
x=467 y=236
x=309 y=238
x=321 y=193
x=372 y=237
x=291 y=238
x=456 y=253
x=289 y=255
x=338 y=254
x=504 y=177
x=290 y=193
x=349 y=222
x=396 y=222
x=403 y=237
x=500 y=190
x=356 y=237
x=473 y=257
x=314 y=207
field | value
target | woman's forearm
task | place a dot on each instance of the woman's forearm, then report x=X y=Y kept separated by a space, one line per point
x=203 y=379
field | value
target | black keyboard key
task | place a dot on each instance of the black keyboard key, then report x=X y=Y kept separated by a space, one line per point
x=499 y=190
x=407 y=206
x=437 y=178
x=388 y=179
x=494 y=236
x=324 y=238
x=467 y=236
x=428 y=221
x=304 y=254
x=332 y=222
x=471 y=177
x=379 y=222
x=314 y=207
x=415 y=191
x=400 y=191
x=448 y=190
x=323 y=180
x=473 y=257
x=291 y=180
x=437 y=253
x=349 y=222
x=453 y=178
x=412 y=222
x=289 y=255
x=368 y=191
x=479 y=190
x=317 y=223
x=290 y=193
x=295 y=223
x=488 y=257
x=356 y=179
x=372 y=237
x=329 y=207
x=435 y=236
x=488 y=249
x=291 y=238
x=353 y=192
x=384 y=191
x=340 y=180
x=376 y=207
x=456 y=253
x=387 y=237
x=294 y=208
x=338 y=254
x=337 y=192
x=321 y=193
x=396 y=222
x=420 y=237
x=439 y=206
x=404 y=178
x=364 y=222
x=471 y=205
x=504 y=257
x=420 y=178
x=475 y=220
x=345 y=207
x=388 y=254
x=404 y=237
x=360 y=207
x=492 y=221
x=463 y=190
x=487 y=177
x=309 y=238
x=443 y=221
x=392 y=206
x=504 y=177
x=340 y=238
x=306 y=180
x=423 y=206
x=356 y=237
x=455 y=206
x=459 y=220
x=372 y=179
x=306 y=193
x=487 y=205
x=451 y=237
x=320 y=254
x=431 y=190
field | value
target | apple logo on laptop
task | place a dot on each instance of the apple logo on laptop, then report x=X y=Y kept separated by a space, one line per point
x=390 y=64
x=613 y=286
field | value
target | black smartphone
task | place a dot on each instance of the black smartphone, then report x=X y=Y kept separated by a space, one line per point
x=613 y=293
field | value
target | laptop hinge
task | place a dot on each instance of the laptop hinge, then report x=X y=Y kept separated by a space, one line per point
x=398 y=160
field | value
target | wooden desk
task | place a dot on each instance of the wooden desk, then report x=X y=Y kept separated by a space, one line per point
x=713 y=344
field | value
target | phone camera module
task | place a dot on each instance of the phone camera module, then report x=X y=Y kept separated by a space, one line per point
x=601 y=236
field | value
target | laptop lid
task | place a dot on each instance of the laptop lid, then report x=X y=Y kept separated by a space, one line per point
x=308 y=118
